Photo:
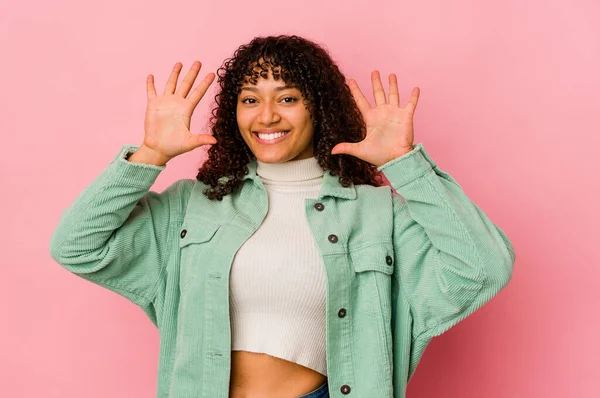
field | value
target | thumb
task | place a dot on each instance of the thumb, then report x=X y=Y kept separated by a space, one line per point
x=202 y=139
x=345 y=148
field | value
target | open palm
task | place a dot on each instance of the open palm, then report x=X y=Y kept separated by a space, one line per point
x=390 y=131
x=168 y=116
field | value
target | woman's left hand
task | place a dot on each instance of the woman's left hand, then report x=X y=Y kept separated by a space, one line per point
x=389 y=127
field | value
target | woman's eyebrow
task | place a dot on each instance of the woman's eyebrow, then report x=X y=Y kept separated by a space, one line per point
x=278 y=88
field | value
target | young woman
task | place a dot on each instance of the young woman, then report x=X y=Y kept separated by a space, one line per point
x=286 y=268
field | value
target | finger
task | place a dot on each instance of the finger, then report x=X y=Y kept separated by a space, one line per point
x=201 y=88
x=394 y=95
x=378 y=92
x=150 y=90
x=172 y=82
x=188 y=80
x=359 y=98
x=414 y=99
x=197 y=140
x=348 y=148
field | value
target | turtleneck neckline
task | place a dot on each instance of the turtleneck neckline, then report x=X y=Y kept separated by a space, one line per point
x=293 y=170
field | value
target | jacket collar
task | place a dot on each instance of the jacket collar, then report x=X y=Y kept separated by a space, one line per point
x=329 y=187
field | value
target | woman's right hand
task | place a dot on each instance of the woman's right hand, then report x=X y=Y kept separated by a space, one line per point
x=167 y=121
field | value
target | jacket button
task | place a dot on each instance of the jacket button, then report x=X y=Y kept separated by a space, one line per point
x=182 y=234
x=345 y=389
x=319 y=206
x=342 y=312
x=332 y=238
x=388 y=260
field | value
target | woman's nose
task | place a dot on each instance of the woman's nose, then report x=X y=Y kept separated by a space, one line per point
x=269 y=114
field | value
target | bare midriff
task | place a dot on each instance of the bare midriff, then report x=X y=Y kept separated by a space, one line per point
x=255 y=375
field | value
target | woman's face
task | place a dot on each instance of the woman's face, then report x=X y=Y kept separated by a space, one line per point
x=271 y=106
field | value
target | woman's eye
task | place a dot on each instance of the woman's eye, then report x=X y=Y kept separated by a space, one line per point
x=291 y=100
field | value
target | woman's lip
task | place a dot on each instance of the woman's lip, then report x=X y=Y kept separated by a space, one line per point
x=269 y=142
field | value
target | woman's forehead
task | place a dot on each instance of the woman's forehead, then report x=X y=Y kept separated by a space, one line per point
x=269 y=85
x=268 y=81
x=262 y=75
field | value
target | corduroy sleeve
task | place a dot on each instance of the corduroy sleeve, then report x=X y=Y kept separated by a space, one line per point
x=450 y=258
x=116 y=233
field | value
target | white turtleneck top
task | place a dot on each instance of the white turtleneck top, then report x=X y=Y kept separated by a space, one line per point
x=277 y=280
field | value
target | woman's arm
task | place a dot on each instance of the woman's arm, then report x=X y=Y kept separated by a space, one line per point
x=450 y=258
x=116 y=233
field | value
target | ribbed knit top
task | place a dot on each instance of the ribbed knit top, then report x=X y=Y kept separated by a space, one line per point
x=277 y=279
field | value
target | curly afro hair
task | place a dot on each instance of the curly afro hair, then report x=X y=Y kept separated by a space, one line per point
x=332 y=109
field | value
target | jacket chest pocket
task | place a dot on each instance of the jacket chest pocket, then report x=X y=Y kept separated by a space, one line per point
x=372 y=296
x=373 y=266
x=195 y=249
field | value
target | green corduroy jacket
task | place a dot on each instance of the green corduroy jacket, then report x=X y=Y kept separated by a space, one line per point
x=405 y=266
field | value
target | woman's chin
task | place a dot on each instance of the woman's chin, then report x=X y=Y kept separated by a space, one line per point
x=271 y=157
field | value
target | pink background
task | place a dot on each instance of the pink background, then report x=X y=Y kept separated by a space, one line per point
x=509 y=106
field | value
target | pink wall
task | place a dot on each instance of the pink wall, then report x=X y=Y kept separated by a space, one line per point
x=509 y=106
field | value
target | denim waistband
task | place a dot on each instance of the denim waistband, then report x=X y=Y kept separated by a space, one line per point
x=321 y=392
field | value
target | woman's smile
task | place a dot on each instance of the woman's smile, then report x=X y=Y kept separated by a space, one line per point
x=271 y=138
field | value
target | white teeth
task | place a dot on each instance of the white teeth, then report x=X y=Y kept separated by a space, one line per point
x=272 y=136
